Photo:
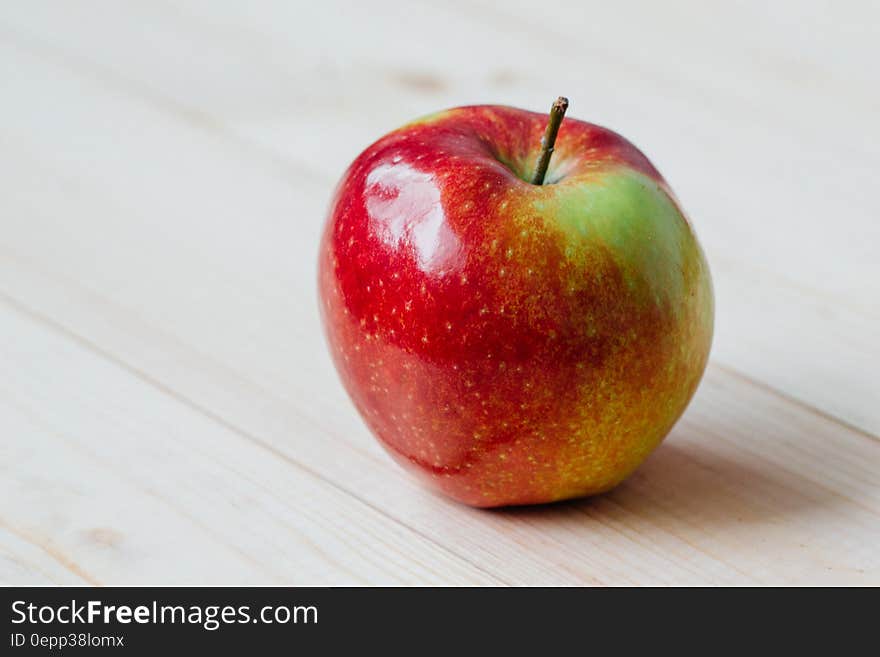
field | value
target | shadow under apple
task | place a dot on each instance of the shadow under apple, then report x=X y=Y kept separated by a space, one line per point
x=703 y=478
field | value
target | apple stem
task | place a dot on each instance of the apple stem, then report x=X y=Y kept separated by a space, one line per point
x=557 y=112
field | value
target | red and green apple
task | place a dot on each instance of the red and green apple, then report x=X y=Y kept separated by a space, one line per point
x=513 y=332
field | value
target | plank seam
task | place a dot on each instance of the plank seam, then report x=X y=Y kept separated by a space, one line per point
x=164 y=389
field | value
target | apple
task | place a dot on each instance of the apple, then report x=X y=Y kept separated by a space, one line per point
x=513 y=332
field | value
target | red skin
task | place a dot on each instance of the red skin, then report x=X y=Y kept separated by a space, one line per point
x=472 y=397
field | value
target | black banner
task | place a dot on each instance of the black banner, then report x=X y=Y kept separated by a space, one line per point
x=137 y=621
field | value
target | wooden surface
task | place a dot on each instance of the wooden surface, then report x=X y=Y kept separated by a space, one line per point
x=168 y=411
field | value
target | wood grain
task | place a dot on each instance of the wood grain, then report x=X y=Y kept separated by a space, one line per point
x=168 y=412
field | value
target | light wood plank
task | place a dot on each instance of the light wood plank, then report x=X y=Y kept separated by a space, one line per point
x=117 y=481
